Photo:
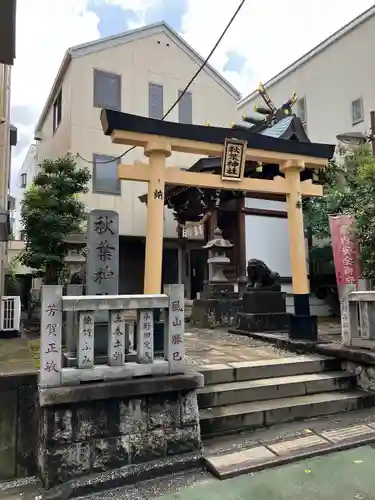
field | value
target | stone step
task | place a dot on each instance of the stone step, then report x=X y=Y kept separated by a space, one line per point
x=267 y=368
x=289 y=447
x=273 y=388
x=231 y=418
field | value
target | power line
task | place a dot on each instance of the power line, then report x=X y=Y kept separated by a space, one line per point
x=185 y=89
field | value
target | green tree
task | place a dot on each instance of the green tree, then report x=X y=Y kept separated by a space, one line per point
x=51 y=210
x=349 y=187
x=12 y=282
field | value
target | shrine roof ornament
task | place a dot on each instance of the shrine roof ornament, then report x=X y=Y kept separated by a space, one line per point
x=270 y=113
x=144 y=129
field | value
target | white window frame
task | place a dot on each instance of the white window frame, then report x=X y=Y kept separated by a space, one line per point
x=159 y=115
x=97 y=102
x=99 y=162
x=357 y=111
x=302 y=107
x=23 y=179
x=57 y=111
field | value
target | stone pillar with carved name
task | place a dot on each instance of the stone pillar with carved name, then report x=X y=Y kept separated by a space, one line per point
x=50 y=336
x=102 y=267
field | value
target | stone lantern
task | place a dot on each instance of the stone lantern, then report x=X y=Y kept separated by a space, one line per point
x=217 y=256
x=218 y=303
x=75 y=263
x=75 y=260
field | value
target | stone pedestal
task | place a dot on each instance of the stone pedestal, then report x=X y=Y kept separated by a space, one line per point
x=103 y=426
x=263 y=311
x=303 y=325
x=218 y=305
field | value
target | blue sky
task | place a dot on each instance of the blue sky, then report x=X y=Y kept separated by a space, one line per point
x=115 y=19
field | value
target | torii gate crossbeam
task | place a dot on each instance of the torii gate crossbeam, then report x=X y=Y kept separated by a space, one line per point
x=159 y=139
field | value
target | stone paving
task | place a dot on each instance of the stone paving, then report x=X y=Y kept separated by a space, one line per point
x=347 y=475
x=212 y=347
x=206 y=346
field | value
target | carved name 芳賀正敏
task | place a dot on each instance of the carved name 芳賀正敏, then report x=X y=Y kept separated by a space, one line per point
x=50 y=336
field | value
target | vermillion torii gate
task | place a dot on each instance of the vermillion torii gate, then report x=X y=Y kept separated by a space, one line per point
x=160 y=138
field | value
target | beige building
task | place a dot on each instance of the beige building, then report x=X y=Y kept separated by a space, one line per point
x=8 y=133
x=335 y=82
x=140 y=72
x=24 y=180
x=5 y=164
x=335 y=85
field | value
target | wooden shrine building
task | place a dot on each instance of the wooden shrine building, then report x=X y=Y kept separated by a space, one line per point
x=205 y=209
x=269 y=157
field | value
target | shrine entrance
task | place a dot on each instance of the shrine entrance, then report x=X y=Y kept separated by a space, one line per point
x=160 y=138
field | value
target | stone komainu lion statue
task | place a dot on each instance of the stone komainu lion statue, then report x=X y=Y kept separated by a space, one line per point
x=259 y=275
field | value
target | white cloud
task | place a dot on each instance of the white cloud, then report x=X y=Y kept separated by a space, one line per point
x=45 y=29
x=139 y=7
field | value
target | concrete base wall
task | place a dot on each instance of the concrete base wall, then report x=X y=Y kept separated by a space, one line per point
x=99 y=427
x=18 y=428
x=210 y=313
x=18 y=410
x=365 y=374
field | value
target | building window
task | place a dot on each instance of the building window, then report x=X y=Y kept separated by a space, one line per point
x=301 y=110
x=357 y=111
x=105 y=179
x=23 y=235
x=185 y=108
x=107 y=90
x=155 y=101
x=23 y=180
x=57 y=111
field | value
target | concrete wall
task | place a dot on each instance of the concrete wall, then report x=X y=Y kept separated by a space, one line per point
x=329 y=81
x=15 y=247
x=267 y=238
x=18 y=425
x=30 y=168
x=54 y=144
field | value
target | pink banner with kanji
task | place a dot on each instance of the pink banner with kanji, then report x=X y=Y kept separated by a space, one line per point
x=345 y=250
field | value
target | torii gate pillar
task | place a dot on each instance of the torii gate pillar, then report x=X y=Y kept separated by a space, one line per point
x=159 y=138
x=301 y=320
x=157 y=154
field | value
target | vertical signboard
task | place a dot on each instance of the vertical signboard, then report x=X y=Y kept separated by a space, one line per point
x=346 y=261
